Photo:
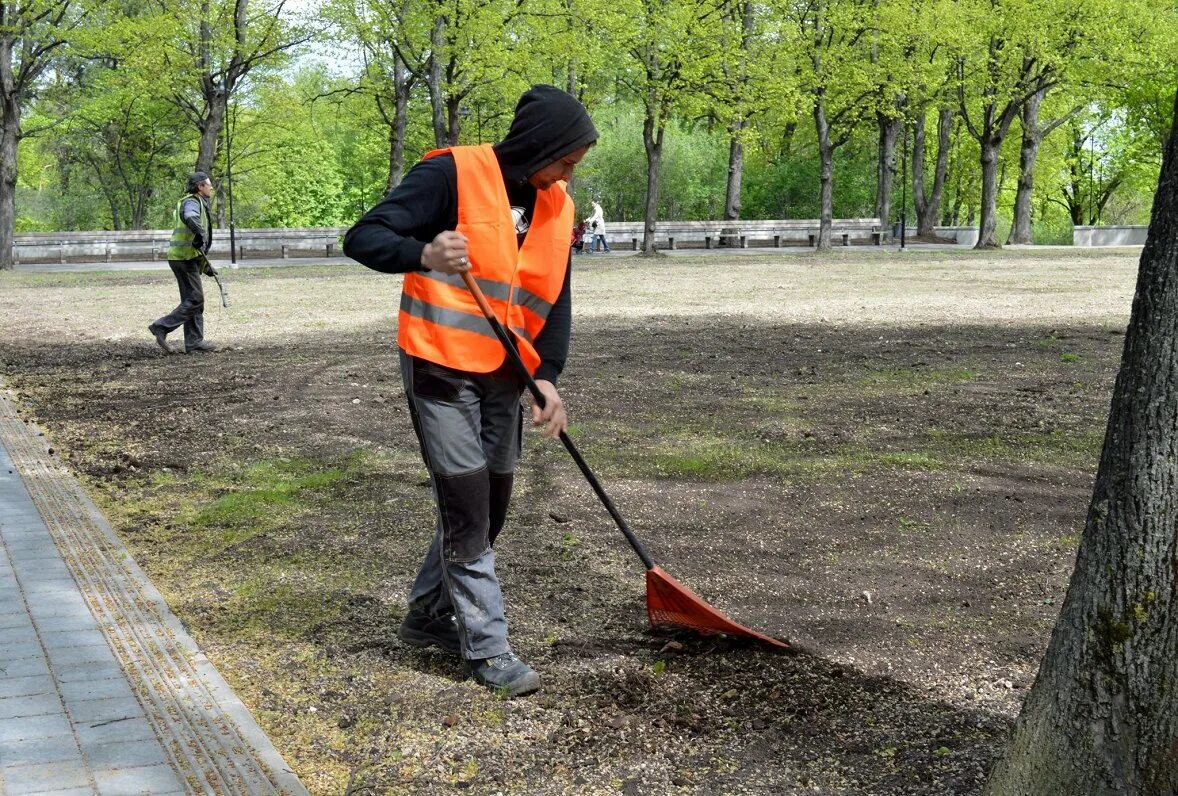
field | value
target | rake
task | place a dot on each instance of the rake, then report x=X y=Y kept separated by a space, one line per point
x=668 y=602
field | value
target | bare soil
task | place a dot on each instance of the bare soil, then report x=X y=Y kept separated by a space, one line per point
x=885 y=459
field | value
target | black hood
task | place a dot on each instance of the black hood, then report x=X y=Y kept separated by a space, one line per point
x=548 y=124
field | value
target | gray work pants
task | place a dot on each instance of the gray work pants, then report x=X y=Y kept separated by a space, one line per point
x=189 y=313
x=470 y=432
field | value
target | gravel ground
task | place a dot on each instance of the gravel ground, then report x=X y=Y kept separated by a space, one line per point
x=884 y=458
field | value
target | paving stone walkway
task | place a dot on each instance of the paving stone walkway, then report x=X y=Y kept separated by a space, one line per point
x=102 y=691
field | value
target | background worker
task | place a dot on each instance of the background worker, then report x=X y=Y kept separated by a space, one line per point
x=501 y=213
x=192 y=234
x=596 y=222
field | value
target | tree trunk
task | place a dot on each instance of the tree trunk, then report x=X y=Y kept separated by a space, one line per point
x=735 y=178
x=1020 y=231
x=928 y=206
x=1101 y=717
x=826 y=174
x=210 y=131
x=987 y=237
x=1075 y=196
x=652 y=139
x=139 y=211
x=885 y=166
x=9 y=141
x=401 y=87
x=453 y=120
x=433 y=80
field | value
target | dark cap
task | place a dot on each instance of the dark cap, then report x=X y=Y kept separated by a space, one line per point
x=195 y=179
x=548 y=124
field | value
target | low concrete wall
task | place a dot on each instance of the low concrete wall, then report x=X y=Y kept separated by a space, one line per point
x=61 y=247
x=1109 y=236
x=55 y=247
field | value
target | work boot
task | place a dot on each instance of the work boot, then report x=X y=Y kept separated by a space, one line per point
x=421 y=630
x=506 y=674
x=161 y=337
x=203 y=347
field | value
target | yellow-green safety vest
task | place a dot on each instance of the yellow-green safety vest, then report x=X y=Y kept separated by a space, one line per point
x=180 y=247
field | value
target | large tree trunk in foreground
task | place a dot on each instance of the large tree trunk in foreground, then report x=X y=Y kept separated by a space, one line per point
x=1102 y=717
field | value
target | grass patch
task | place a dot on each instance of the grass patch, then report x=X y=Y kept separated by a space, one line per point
x=718 y=460
x=1078 y=449
x=264 y=494
x=914 y=379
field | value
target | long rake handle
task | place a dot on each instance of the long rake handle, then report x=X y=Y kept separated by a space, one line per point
x=534 y=389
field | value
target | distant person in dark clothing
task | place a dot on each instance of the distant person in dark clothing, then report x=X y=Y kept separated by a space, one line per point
x=192 y=234
x=578 y=241
x=502 y=214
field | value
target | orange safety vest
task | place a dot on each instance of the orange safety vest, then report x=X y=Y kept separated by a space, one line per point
x=439 y=320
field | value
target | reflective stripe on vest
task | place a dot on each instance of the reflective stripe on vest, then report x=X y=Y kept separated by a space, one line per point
x=439 y=320
x=180 y=246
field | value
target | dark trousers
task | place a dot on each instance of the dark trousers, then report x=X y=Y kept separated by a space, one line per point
x=469 y=428
x=189 y=313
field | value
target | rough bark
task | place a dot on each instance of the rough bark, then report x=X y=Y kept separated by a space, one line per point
x=210 y=129
x=9 y=139
x=998 y=111
x=732 y=202
x=735 y=178
x=888 y=131
x=1101 y=717
x=433 y=80
x=396 y=150
x=825 y=174
x=987 y=227
x=652 y=140
x=928 y=205
x=1020 y=231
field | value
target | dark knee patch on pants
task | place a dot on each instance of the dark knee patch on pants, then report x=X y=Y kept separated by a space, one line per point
x=464 y=505
x=500 y=498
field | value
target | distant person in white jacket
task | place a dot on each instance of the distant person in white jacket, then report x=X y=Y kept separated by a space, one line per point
x=596 y=224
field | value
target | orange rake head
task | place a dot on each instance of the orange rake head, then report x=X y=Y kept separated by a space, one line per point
x=669 y=602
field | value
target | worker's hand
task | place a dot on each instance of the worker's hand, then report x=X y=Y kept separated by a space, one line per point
x=446 y=253
x=209 y=269
x=552 y=416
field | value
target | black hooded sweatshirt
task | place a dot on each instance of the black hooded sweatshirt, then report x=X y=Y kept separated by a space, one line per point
x=548 y=124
